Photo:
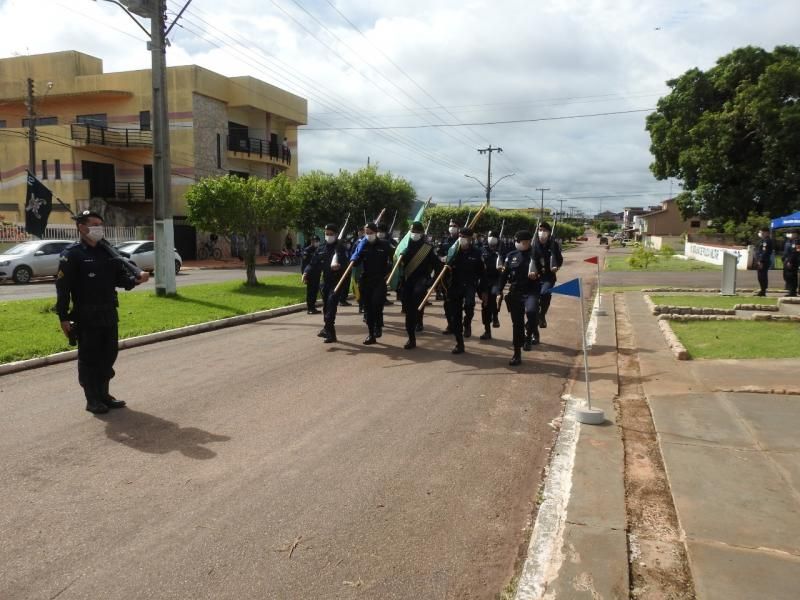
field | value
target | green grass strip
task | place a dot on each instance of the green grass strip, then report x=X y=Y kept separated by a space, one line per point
x=739 y=339
x=663 y=265
x=30 y=327
x=712 y=301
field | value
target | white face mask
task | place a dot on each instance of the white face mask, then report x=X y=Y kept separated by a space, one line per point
x=761 y=235
x=382 y=235
x=95 y=233
x=453 y=230
x=519 y=246
x=314 y=244
x=415 y=237
x=493 y=241
x=464 y=242
x=543 y=235
x=371 y=237
x=330 y=238
x=789 y=236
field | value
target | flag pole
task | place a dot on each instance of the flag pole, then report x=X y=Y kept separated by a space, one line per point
x=589 y=415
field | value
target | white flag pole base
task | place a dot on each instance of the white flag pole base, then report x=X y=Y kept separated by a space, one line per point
x=590 y=416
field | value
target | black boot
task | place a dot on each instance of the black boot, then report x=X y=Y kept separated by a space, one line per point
x=459 y=348
x=542 y=321
x=467 y=328
x=411 y=343
x=378 y=331
x=370 y=339
x=487 y=334
x=516 y=359
x=94 y=403
x=331 y=334
x=108 y=399
x=495 y=322
x=323 y=333
x=528 y=345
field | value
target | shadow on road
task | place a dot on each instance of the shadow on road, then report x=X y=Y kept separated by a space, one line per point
x=148 y=433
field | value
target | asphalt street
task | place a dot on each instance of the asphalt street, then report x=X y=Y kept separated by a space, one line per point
x=258 y=462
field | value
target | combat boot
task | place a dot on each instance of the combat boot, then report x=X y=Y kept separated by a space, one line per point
x=330 y=336
x=516 y=359
x=410 y=344
x=528 y=345
x=94 y=404
x=467 y=328
x=487 y=334
x=459 y=348
x=108 y=399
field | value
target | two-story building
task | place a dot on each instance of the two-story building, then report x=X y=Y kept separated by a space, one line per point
x=666 y=225
x=94 y=142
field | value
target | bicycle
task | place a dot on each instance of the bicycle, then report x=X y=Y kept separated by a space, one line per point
x=208 y=250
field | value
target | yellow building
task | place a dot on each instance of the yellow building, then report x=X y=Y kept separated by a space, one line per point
x=94 y=145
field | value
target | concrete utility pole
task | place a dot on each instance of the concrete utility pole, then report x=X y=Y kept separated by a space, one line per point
x=488 y=187
x=541 y=210
x=31 y=130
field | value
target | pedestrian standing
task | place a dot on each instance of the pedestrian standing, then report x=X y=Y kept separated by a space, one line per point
x=466 y=271
x=331 y=259
x=764 y=249
x=374 y=256
x=791 y=261
x=549 y=251
x=86 y=303
x=418 y=264
x=314 y=275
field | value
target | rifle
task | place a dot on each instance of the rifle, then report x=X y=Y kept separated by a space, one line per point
x=499 y=264
x=391 y=227
x=335 y=259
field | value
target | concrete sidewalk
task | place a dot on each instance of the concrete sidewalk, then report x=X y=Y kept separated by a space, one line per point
x=727 y=434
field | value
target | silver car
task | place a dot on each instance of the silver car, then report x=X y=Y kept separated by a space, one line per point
x=27 y=260
x=142 y=254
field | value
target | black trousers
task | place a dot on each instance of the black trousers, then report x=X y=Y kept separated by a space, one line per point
x=490 y=310
x=524 y=310
x=790 y=278
x=97 y=352
x=412 y=294
x=331 y=303
x=763 y=278
x=312 y=291
x=459 y=307
x=373 y=296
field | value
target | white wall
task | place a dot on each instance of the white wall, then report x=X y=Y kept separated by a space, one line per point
x=714 y=254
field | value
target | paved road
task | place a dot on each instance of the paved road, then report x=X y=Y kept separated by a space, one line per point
x=257 y=462
x=43 y=288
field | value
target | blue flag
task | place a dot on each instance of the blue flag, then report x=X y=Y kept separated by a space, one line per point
x=568 y=288
x=359 y=247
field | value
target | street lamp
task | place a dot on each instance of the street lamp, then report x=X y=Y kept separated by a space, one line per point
x=487 y=187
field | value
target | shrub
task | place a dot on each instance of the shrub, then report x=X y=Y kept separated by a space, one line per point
x=642 y=258
x=667 y=251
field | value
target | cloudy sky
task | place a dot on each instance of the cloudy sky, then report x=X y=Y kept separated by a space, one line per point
x=417 y=86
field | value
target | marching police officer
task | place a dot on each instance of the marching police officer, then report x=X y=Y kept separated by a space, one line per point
x=791 y=260
x=87 y=277
x=375 y=259
x=490 y=289
x=763 y=250
x=466 y=270
x=418 y=262
x=523 y=270
x=550 y=252
x=331 y=259
x=444 y=248
x=314 y=275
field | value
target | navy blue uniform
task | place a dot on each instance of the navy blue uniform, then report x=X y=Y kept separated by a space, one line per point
x=764 y=249
x=791 y=258
x=466 y=272
x=491 y=289
x=523 y=296
x=375 y=260
x=322 y=261
x=419 y=262
x=550 y=254
x=312 y=277
x=85 y=288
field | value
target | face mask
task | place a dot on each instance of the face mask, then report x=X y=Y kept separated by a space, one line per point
x=789 y=236
x=543 y=235
x=761 y=235
x=453 y=230
x=519 y=246
x=415 y=237
x=330 y=238
x=96 y=233
x=371 y=237
x=382 y=236
x=493 y=241
x=464 y=242
x=314 y=244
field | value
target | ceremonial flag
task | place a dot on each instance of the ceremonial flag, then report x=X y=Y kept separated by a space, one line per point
x=595 y=260
x=38 y=204
x=403 y=244
x=569 y=288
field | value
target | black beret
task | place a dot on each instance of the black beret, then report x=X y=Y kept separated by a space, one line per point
x=454 y=223
x=331 y=227
x=417 y=227
x=84 y=215
x=522 y=235
x=465 y=232
x=371 y=226
x=545 y=225
x=314 y=238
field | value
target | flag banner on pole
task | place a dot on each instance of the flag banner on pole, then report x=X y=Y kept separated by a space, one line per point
x=403 y=244
x=359 y=247
x=38 y=204
x=592 y=259
x=569 y=288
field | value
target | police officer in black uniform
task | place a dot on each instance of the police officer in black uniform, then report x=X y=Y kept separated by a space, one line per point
x=763 y=250
x=522 y=300
x=331 y=259
x=375 y=259
x=87 y=277
x=418 y=263
x=466 y=272
x=490 y=288
x=791 y=260
x=314 y=275
x=551 y=258
x=444 y=248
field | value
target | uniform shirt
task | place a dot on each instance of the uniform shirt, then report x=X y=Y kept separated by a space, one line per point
x=322 y=260
x=87 y=277
x=489 y=256
x=550 y=254
x=375 y=260
x=791 y=254
x=308 y=255
x=764 y=248
x=445 y=246
x=427 y=264
x=517 y=265
x=466 y=269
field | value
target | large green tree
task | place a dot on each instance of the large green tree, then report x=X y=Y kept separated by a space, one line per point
x=731 y=135
x=324 y=198
x=231 y=205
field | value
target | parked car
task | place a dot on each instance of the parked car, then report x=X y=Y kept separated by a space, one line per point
x=142 y=254
x=27 y=260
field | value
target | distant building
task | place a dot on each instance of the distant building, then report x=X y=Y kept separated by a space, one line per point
x=665 y=224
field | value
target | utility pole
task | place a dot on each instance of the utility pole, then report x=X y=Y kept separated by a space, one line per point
x=31 y=130
x=561 y=208
x=489 y=151
x=543 y=190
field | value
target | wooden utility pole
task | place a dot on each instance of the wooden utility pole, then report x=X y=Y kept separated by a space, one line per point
x=31 y=129
x=543 y=190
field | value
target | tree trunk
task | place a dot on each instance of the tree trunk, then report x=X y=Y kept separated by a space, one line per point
x=250 y=257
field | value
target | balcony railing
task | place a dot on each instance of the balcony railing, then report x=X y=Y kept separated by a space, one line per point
x=133 y=192
x=111 y=136
x=258 y=147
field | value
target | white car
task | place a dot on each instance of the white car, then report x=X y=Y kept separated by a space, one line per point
x=27 y=260
x=142 y=254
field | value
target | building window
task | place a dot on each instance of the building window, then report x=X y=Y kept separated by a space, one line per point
x=44 y=169
x=57 y=167
x=41 y=121
x=98 y=120
x=695 y=223
x=144 y=120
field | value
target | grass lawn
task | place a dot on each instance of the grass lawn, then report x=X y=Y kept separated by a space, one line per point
x=712 y=301
x=30 y=327
x=739 y=339
x=620 y=263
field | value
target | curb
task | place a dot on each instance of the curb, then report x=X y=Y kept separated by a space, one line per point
x=678 y=349
x=152 y=338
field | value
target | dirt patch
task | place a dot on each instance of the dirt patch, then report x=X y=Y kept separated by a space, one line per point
x=659 y=568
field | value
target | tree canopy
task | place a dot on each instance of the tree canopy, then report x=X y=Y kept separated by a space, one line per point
x=732 y=135
x=231 y=205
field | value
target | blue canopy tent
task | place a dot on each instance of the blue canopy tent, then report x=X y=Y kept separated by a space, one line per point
x=787 y=221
